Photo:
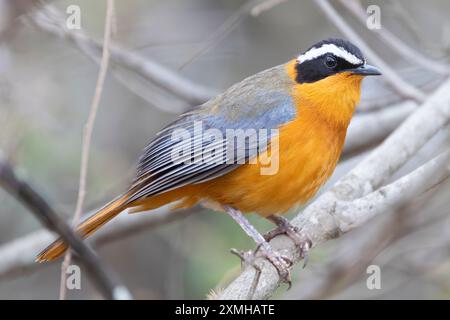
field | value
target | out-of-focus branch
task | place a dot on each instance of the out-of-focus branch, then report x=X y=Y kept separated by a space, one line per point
x=369 y=128
x=221 y=32
x=345 y=216
x=265 y=6
x=48 y=20
x=87 y=136
x=355 y=7
x=349 y=266
x=393 y=195
x=390 y=75
x=334 y=212
x=24 y=193
x=350 y=259
x=18 y=256
x=10 y=11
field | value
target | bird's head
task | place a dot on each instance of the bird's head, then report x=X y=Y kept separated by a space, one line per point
x=329 y=74
x=329 y=58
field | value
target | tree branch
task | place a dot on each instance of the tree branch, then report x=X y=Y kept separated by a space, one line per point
x=321 y=221
x=351 y=257
x=47 y=19
x=24 y=193
x=18 y=255
x=87 y=137
x=220 y=34
x=265 y=6
x=390 y=75
x=405 y=51
x=369 y=128
x=345 y=216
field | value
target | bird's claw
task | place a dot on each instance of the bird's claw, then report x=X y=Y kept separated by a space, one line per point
x=286 y=228
x=280 y=262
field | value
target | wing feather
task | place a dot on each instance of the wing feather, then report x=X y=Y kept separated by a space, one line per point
x=251 y=107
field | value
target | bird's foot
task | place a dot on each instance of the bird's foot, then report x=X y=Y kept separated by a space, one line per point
x=280 y=262
x=286 y=228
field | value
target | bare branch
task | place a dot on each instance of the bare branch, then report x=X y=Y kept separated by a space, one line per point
x=24 y=193
x=351 y=257
x=12 y=263
x=405 y=51
x=48 y=20
x=393 y=195
x=320 y=221
x=221 y=32
x=346 y=215
x=369 y=128
x=406 y=140
x=87 y=137
x=390 y=75
x=265 y=6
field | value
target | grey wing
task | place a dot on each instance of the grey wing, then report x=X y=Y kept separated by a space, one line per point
x=169 y=162
x=163 y=168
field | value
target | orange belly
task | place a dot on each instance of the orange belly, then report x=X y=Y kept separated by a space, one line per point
x=308 y=153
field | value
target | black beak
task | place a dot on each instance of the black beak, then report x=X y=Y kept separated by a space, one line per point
x=366 y=70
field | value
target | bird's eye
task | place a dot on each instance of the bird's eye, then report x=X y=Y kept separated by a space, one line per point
x=330 y=62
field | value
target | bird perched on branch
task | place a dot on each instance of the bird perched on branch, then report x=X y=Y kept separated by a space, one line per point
x=264 y=145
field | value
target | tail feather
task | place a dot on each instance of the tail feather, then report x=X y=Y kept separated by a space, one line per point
x=85 y=229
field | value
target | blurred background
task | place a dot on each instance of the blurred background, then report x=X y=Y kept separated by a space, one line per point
x=46 y=88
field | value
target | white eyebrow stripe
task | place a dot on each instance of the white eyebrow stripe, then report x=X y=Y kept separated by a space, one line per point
x=329 y=48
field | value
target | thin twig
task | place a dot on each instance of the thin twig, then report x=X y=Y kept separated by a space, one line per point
x=87 y=137
x=14 y=264
x=221 y=32
x=49 y=20
x=265 y=6
x=24 y=193
x=389 y=74
x=405 y=51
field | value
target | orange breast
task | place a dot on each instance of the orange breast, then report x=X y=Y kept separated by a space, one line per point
x=308 y=151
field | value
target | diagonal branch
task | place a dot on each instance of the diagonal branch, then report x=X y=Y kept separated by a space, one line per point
x=47 y=19
x=405 y=51
x=321 y=221
x=24 y=193
x=369 y=128
x=18 y=255
x=345 y=216
x=218 y=35
x=390 y=75
x=265 y=6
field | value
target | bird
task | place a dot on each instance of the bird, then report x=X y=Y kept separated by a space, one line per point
x=265 y=145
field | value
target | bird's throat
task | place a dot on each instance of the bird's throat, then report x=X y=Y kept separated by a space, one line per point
x=332 y=99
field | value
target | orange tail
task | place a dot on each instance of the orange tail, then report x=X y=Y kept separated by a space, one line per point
x=85 y=229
